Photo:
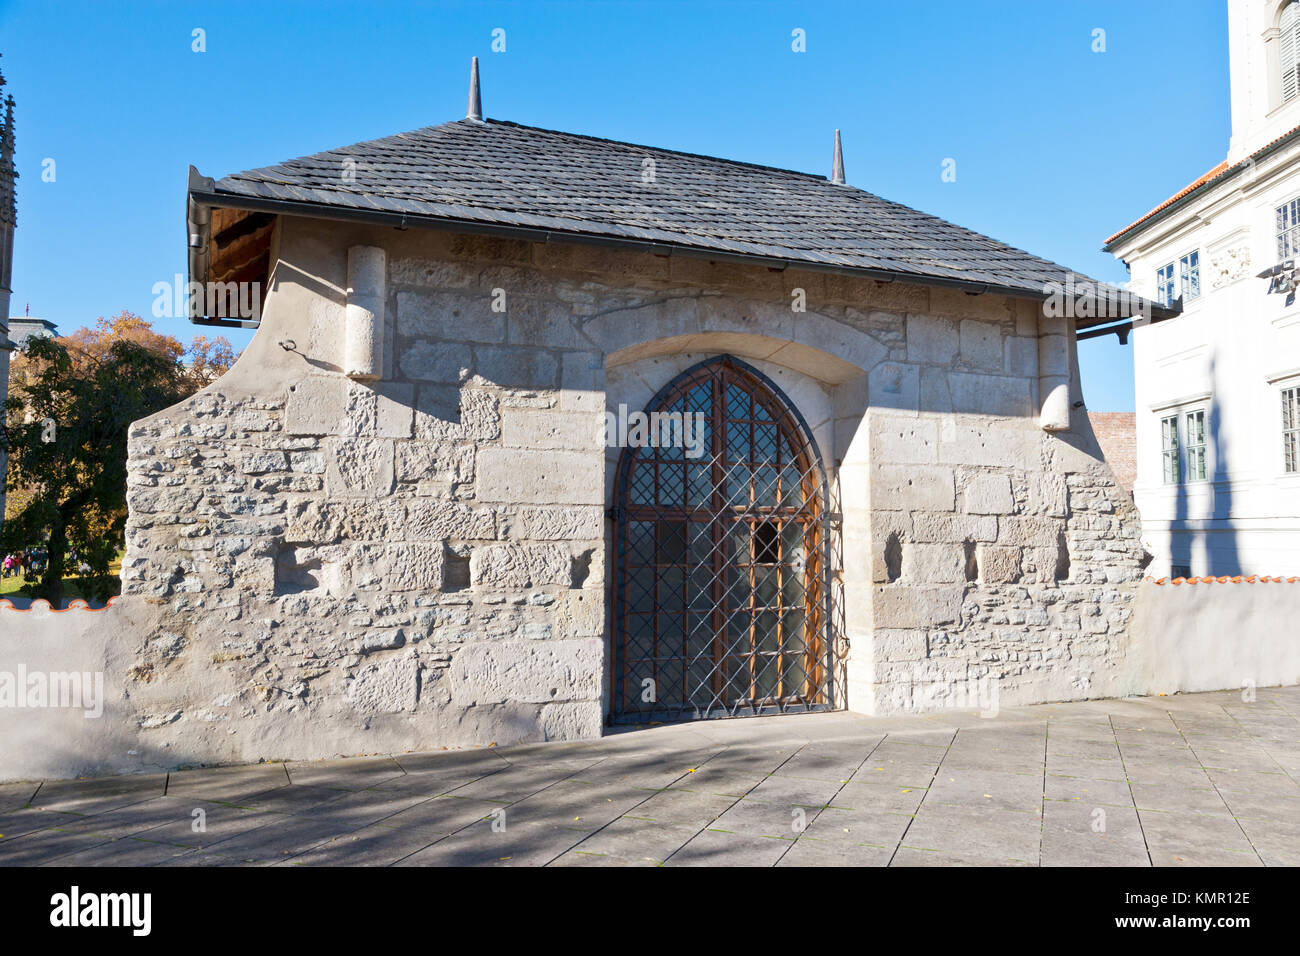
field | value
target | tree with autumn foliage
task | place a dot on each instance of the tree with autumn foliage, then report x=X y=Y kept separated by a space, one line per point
x=203 y=362
x=70 y=406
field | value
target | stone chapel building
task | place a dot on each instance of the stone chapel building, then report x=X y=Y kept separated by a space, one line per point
x=404 y=518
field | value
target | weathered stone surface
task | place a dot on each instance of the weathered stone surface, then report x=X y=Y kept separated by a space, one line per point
x=904 y=440
x=398 y=567
x=542 y=323
x=167 y=501
x=526 y=671
x=316 y=405
x=989 y=495
x=359 y=467
x=576 y=720
x=934 y=393
x=383 y=640
x=520 y=566
x=394 y=409
x=541 y=477
x=981 y=345
x=460 y=316
x=989 y=394
x=516 y=367
x=929 y=527
x=447 y=520
x=1022 y=356
x=919 y=487
x=1048 y=494
x=964 y=443
x=893 y=385
x=933 y=563
x=546 y=428
x=1028 y=531
x=448 y=362
x=452 y=414
x=931 y=340
x=582 y=380
x=556 y=524
x=261 y=463
x=999 y=565
x=386 y=687
x=435 y=461
x=326 y=522
x=920 y=606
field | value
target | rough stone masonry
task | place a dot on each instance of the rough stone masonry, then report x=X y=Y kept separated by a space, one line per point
x=385 y=528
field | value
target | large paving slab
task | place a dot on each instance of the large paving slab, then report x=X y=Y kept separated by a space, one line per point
x=1190 y=780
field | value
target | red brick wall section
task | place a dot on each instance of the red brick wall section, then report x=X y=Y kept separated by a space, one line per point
x=1117 y=434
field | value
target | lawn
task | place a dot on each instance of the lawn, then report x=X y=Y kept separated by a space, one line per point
x=14 y=584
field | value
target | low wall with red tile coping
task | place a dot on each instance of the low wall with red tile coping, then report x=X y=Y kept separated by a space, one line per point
x=1188 y=635
x=1205 y=633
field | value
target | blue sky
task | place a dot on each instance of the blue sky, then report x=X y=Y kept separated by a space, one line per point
x=1056 y=146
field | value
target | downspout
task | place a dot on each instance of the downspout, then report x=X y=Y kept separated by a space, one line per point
x=198 y=228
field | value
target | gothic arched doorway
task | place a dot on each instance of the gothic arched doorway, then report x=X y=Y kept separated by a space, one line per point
x=722 y=589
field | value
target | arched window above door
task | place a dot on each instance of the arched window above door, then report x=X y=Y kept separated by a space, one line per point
x=722 y=598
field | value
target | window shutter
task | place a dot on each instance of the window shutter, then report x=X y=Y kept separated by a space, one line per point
x=1290 y=50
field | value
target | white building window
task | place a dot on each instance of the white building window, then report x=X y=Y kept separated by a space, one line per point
x=1291 y=429
x=1288 y=230
x=1165 y=283
x=1183 y=447
x=1169 y=449
x=1290 y=50
x=1189 y=275
x=1195 y=440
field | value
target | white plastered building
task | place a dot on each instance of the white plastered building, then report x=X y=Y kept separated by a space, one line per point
x=1218 y=388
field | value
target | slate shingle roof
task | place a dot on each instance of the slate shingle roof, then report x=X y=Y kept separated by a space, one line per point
x=503 y=174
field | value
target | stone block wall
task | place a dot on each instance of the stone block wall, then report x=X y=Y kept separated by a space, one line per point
x=318 y=565
x=413 y=562
x=1004 y=561
x=1003 y=558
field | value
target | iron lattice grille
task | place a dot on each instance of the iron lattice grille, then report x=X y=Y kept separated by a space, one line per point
x=723 y=591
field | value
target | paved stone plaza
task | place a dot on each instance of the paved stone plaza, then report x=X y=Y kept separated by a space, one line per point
x=1194 y=780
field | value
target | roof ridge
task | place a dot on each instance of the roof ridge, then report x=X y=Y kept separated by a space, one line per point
x=661 y=149
x=501 y=174
x=489 y=121
x=841 y=189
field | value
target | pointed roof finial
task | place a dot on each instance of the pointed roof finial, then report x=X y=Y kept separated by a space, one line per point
x=475 y=109
x=837 y=165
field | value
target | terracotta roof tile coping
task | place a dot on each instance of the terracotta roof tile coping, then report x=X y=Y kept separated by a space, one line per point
x=77 y=604
x=1196 y=184
x=1236 y=579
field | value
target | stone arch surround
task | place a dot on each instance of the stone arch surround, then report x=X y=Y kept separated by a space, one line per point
x=819 y=347
x=635 y=374
x=634 y=383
